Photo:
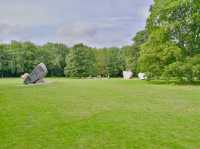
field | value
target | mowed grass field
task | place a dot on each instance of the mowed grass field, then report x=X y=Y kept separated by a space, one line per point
x=98 y=114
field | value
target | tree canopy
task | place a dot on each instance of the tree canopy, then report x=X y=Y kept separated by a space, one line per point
x=174 y=32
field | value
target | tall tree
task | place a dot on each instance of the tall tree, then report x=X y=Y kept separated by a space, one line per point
x=80 y=62
x=115 y=63
x=54 y=54
x=173 y=36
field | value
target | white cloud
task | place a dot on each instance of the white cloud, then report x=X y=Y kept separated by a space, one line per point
x=76 y=30
x=102 y=32
x=94 y=22
x=23 y=14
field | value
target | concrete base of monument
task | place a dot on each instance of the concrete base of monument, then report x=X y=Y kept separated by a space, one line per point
x=40 y=83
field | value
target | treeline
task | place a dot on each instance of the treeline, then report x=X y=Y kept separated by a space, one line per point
x=17 y=58
x=168 y=48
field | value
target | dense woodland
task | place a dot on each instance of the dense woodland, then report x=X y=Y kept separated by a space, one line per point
x=78 y=61
x=168 y=48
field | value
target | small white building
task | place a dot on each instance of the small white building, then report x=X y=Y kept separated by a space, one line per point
x=142 y=76
x=127 y=75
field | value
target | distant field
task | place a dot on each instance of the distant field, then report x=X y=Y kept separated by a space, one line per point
x=98 y=114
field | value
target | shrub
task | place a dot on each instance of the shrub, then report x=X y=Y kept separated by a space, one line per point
x=196 y=72
x=180 y=71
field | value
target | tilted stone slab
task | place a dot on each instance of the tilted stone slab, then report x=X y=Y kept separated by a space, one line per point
x=37 y=75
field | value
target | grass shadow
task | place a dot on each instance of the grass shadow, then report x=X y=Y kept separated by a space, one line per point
x=174 y=82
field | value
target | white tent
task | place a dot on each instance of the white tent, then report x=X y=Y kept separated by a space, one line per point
x=127 y=75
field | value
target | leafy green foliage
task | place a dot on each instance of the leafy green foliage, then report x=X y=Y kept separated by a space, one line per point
x=53 y=55
x=174 y=35
x=158 y=52
x=80 y=62
x=17 y=58
x=130 y=58
x=101 y=62
x=189 y=70
x=115 y=63
x=180 y=71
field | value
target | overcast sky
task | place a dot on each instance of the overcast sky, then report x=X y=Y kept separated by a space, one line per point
x=99 y=23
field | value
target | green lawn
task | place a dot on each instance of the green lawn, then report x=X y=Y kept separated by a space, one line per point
x=98 y=114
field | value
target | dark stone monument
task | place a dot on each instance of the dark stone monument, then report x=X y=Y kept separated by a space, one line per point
x=37 y=75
